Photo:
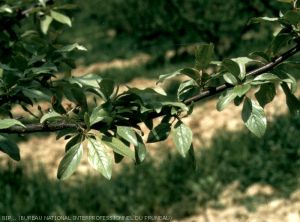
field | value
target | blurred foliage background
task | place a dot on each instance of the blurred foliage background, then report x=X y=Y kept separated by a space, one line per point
x=166 y=31
x=120 y=29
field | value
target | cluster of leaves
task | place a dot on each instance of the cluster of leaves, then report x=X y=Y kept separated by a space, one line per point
x=233 y=73
x=110 y=126
x=29 y=74
x=115 y=124
x=29 y=59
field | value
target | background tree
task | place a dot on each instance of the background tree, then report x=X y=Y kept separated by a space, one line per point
x=176 y=24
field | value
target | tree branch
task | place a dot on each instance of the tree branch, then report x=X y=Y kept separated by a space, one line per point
x=41 y=127
x=52 y=127
x=263 y=69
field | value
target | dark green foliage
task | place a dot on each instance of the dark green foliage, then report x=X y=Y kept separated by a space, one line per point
x=173 y=24
x=176 y=23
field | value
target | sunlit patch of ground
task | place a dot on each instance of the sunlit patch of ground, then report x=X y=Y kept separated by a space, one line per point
x=116 y=63
x=275 y=210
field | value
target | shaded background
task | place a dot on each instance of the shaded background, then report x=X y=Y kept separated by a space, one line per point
x=238 y=177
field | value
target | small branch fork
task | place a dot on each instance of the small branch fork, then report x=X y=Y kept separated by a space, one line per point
x=52 y=127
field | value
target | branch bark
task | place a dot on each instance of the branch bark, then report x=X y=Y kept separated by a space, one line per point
x=52 y=127
x=41 y=127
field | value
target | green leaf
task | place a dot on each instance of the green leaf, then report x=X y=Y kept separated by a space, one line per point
x=238 y=100
x=182 y=137
x=230 y=78
x=51 y=115
x=118 y=146
x=292 y=16
x=231 y=66
x=225 y=99
x=261 y=55
x=57 y=103
x=89 y=80
x=140 y=149
x=61 y=18
x=99 y=158
x=76 y=95
x=37 y=94
x=37 y=58
x=242 y=63
x=107 y=87
x=265 y=78
x=262 y=19
x=241 y=90
x=279 y=41
x=159 y=133
x=128 y=134
x=10 y=148
x=292 y=81
x=291 y=100
x=45 y=23
x=6 y=67
x=187 y=89
x=237 y=66
x=70 y=161
x=148 y=95
x=265 y=94
x=190 y=72
x=150 y=99
x=288 y=78
x=69 y=48
x=47 y=68
x=79 y=97
x=254 y=117
x=73 y=141
x=203 y=54
x=6 y=9
x=99 y=114
x=6 y=123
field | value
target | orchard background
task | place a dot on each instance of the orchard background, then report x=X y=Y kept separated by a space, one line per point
x=232 y=176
